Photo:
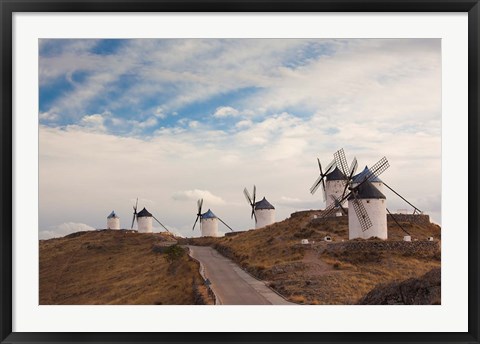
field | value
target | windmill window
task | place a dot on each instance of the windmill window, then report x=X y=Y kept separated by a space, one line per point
x=368 y=201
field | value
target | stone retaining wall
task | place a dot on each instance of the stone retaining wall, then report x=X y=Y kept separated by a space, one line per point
x=421 y=219
x=404 y=247
x=304 y=212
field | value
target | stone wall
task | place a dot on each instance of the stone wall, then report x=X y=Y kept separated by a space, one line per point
x=305 y=212
x=421 y=219
x=403 y=247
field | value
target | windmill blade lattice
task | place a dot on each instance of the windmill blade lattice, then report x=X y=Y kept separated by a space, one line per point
x=251 y=201
x=362 y=214
x=349 y=177
x=134 y=213
x=338 y=204
x=331 y=208
x=341 y=161
x=321 y=178
x=377 y=169
x=199 y=213
x=247 y=196
x=353 y=166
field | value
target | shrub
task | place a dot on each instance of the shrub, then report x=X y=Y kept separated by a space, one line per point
x=174 y=253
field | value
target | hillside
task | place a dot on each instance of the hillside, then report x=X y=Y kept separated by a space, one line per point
x=118 y=267
x=337 y=272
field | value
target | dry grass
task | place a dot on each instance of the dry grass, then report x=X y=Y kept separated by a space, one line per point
x=305 y=274
x=115 y=267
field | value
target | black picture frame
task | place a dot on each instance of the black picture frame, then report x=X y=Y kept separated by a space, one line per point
x=9 y=7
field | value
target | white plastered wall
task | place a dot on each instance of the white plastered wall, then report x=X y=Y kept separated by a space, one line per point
x=113 y=223
x=209 y=227
x=145 y=224
x=376 y=209
x=334 y=187
x=265 y=217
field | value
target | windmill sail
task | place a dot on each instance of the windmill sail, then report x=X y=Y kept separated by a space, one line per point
x=134 y=213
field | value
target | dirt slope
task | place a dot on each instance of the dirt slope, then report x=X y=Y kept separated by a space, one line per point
x=117 y=267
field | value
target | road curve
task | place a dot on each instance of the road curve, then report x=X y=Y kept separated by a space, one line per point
x=230 y=283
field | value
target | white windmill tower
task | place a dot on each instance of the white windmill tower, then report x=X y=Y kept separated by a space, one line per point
x=262 y=211
x=335 y=184
x=144 y=220
x=369 y=218
x=113 y=221
x=372 y=206
x=336 y=178
x=208 y=222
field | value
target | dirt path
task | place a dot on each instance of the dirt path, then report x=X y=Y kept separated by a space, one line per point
x=315 y=266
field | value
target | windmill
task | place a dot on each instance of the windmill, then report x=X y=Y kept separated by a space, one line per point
x=113 y=221
x=208 y=221
x=262 y=211
x=336 y=178
x=144 y=220
x=365 y=200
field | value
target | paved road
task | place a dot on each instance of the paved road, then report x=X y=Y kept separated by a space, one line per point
x=230 y=283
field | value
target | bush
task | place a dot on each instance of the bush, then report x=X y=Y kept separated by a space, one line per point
x=174 y=253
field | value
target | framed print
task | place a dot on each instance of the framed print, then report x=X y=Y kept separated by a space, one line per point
x=244 y=172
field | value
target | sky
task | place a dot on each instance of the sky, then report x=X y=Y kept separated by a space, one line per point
x=173 y=120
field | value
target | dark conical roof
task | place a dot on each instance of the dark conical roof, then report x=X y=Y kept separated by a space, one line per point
x=336 y=174
x=368 y=191
x=144 y=213
x=361 y=176
x=208 y=215
x=263 y=204
x=112 y=215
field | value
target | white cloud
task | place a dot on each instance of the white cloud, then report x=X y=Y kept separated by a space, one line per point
x=195 y=195
x=193 y=124
x=48 y=116
x=148 y=123
x=298 y=204
x=243 y=124
x=385 y=79
x=93 y=122
x=225 y=111
x=64 y=229
x=159 y=113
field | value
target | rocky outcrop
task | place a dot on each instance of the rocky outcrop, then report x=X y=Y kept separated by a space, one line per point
x=425 y=290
